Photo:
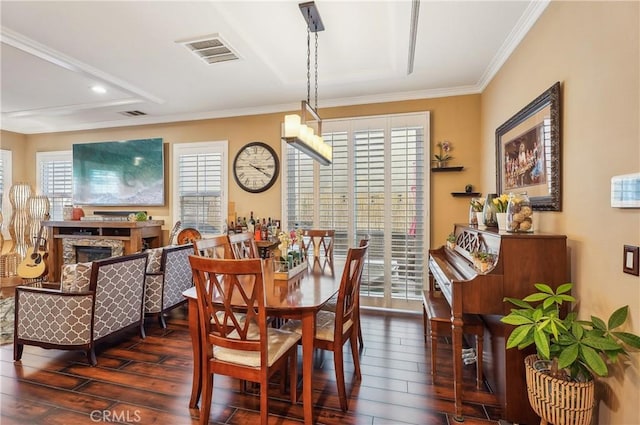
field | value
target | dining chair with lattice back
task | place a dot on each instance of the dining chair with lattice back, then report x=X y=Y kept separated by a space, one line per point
x=331 y=305
x=213 y=247
x=246 y=349
x=243 y=245
x=317 y=246
x=334 y=329
x=363 y=242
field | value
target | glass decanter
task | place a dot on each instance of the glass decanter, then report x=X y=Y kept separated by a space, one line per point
x=490 y=210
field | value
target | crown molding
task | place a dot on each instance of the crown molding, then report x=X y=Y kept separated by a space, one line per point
x=517 y=34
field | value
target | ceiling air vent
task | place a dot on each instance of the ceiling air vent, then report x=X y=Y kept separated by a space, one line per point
x=132 y=113
x=211 y=49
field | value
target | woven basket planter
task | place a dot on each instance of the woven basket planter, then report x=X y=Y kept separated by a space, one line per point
x=558 y=401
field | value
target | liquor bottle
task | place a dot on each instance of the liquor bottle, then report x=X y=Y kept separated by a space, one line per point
x=232 y=229
x=251 y=227
x=264 y=232
x=257 y=234
x=245 y=227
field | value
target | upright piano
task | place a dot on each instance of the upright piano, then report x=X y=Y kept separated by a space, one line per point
x=516 y=262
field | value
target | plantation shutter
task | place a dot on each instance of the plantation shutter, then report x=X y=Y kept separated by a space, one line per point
x=334 y=208
x=299 y=196
x=55 y=180
x=199 y=199
x=376 y=186
x=370 y=206
x=408 y=210
x=2 y=160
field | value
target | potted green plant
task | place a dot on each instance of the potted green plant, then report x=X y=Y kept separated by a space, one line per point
x=576 y=350
x=451 y=240
x=483 y=261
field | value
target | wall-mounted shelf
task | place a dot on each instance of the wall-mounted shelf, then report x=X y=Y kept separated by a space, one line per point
x=465 y=194
x=443 y=169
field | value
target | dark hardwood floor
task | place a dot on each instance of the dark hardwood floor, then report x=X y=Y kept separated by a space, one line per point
x=149 y=381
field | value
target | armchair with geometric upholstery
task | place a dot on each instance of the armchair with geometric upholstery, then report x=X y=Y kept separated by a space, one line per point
x=168 y=275
x=94 y=301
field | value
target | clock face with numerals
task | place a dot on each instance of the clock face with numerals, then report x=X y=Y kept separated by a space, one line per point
x=256 y=167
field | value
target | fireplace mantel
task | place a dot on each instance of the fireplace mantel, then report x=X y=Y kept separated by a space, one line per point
x=133 y=235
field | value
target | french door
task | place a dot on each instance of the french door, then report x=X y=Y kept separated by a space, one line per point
x=376 y=186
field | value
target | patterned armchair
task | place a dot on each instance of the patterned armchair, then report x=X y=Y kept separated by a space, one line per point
x=168 y=275
x=94 y=300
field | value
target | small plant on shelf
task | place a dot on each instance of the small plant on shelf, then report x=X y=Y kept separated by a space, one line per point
x=443 y=155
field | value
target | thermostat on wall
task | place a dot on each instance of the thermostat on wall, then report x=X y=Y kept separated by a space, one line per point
x=625 y=191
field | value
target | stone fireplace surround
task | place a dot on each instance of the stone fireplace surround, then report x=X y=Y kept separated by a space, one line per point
x=69 y=247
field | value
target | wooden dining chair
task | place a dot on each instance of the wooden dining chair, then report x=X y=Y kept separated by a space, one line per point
x=214 y=247
x=317 y=246
x=245 y=349
x=332 y=303
x=333 y=330
x=243 y=245
x=363 y=242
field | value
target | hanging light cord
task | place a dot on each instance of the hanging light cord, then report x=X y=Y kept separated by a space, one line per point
x=316 y=66
x=309 y=63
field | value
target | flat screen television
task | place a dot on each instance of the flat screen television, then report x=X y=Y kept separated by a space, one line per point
x=119 y=173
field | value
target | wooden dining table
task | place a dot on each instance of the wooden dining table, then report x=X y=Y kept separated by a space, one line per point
x=296 y=297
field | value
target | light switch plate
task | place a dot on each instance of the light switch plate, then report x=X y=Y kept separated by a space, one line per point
x=631 y=260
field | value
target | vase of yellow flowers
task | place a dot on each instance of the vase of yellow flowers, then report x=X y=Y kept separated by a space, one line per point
x=501 y=203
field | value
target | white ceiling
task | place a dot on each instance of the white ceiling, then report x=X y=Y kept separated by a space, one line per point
x=52 y=52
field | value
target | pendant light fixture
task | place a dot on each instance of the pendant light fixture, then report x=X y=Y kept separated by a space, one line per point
x=304 y=131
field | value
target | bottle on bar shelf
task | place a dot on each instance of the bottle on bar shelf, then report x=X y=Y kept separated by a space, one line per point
x=264 y=232
x=251 y=226
x=245 y=226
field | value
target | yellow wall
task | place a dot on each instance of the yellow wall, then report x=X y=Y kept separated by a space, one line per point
x=456 y=119
x=16 y=143
x=593 y=49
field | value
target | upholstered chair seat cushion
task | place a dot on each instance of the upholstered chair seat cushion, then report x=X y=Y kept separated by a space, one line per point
x=240 y=317
x=279 y=343
x=75 y=277
x=325 y=325
x=331 y=305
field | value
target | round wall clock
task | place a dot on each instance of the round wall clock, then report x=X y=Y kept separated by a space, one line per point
x=255 y=167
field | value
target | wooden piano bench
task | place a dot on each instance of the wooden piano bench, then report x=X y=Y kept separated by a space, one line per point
x=437 y=315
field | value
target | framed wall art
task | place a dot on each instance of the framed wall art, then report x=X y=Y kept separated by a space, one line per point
x=528 y=152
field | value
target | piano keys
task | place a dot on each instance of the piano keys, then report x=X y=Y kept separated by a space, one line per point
x=516 y=262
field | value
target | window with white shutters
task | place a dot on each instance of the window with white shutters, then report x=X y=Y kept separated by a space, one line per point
x=334 y=207
x=299 y=196
x=200 y=185
x=376 y=186
x=55 y=180
x=5 y=185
